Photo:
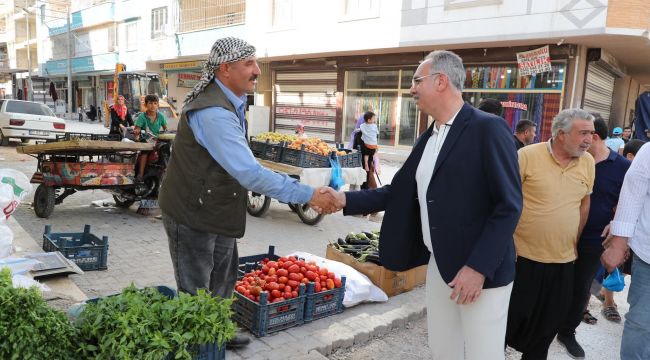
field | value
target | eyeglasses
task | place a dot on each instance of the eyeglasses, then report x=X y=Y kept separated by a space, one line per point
x=418 y=80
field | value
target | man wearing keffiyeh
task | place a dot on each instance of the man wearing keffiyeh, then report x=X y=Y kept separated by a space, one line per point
x=204 y=194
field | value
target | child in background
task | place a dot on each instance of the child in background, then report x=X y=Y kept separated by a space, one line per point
x=369 y=133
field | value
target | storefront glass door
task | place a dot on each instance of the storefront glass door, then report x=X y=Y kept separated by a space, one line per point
x=384 y=92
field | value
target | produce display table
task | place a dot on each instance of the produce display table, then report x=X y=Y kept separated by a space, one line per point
x=316 y=177
x=258 y=204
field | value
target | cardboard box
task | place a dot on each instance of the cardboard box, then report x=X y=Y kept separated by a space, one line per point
x=391 y=282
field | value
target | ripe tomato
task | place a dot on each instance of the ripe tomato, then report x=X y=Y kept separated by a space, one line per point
x=337 y=283
x=281 y=286
x=317 y=287
x=271 y=271
x=256 y=290
x=292 y=258
x=303 y=269
x=304 y=281
x=323 y=277
x=330 y=284
x=287 y=264
x=331 y=275
x=240 y=289
x=294 y=294
x=294 y=276
x=287 y=288
x=276 y=293
x=282 y=272
x=311 y=275
x=293 y=268
x=265 y=269
x=294 y=284
x=282 y=258
x=272 y=264
x=265 y=260
x=300 y=263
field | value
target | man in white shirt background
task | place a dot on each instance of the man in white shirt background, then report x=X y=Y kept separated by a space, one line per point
x=631 y=230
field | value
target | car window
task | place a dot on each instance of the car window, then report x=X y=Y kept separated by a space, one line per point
x=24 y=107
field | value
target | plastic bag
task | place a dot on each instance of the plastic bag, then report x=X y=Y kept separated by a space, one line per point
x=358 y=288
x=614 y=281
x=14 y=187
x=336 y=181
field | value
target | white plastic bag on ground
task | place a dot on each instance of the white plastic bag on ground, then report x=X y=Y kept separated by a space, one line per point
x=27 y=282
x=358 y=288
x=14 y=187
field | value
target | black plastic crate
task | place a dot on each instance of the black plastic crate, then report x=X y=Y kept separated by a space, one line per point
x=249 y=263
x=263 y=318
x=350 y=160
x=266 y=150
x=257 y=147
x=86 y=250
x=324 y=303
x=302 y=158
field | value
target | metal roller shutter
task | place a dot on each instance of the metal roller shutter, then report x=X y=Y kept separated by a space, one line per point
x=599 y=90
x=308 y=98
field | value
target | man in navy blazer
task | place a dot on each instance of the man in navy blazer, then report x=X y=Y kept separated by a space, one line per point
x=454 y=205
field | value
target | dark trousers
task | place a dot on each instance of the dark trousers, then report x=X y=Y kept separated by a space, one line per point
x=586 y=267
x=202 y=260
x=538 y=305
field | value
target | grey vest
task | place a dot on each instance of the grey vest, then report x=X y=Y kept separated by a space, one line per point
x=196 y=191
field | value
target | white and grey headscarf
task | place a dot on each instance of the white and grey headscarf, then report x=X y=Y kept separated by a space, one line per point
x=225 y=50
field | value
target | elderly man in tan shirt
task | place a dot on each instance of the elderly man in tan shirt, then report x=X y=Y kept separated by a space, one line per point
x=557 y=178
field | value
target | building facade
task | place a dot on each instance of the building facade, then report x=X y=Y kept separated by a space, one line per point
x=361 y=55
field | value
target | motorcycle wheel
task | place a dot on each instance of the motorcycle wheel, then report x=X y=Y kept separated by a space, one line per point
x=257 y=204
x=122 y=202
x=308 y=215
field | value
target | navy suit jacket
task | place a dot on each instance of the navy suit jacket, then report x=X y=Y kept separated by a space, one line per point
x=474 y=201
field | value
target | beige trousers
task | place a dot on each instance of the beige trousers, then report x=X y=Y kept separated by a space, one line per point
x=476 y=331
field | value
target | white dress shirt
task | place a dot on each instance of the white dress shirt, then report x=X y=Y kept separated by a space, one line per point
x=425 y=172
x=632 y=219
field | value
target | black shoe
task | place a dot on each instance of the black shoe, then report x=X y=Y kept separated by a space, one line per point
x=239 y=341
x=571 y=345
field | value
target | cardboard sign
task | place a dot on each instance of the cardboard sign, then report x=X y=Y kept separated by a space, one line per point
x=534 y=61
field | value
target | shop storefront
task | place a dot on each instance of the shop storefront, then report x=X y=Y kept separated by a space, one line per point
x=307 y=98
x=331 y=94
x=537 y=98
x=386 y=93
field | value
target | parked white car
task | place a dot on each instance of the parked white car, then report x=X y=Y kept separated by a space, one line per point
x=26 y=120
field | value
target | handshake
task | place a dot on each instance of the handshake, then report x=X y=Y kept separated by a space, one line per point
x=326 y=200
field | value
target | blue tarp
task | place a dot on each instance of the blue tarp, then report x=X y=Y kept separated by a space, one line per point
x=642 y=116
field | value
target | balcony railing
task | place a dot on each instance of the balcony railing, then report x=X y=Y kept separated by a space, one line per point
x=200 y=15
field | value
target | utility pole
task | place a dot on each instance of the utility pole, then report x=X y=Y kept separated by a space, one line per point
x=30 y=89
x=69 y=63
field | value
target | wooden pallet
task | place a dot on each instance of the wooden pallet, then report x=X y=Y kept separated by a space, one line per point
x=83 y=146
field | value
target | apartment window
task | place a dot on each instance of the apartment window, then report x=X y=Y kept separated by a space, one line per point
x=158 y=22
x=282 y=14
x=112 y=37
x=359 y=9
x=131 y=36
